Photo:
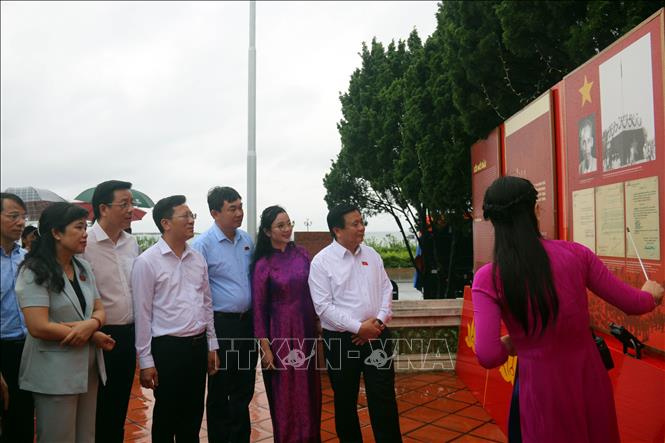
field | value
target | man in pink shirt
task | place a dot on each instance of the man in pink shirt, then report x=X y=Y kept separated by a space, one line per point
x=175 y=331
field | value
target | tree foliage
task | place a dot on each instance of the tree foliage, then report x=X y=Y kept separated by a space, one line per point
x=413 y=109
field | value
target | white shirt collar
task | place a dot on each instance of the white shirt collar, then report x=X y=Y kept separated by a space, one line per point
x=340 y=250
x=101 y=235
x=165 y=249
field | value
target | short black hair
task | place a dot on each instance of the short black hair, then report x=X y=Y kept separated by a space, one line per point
x=103 y=194
x=27 y=231
x=164 y=209
x=220 y=194
x=13 y=197
x=336 y=216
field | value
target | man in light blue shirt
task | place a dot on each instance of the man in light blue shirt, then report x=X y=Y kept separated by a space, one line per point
x=18 y=420
x=228 y=251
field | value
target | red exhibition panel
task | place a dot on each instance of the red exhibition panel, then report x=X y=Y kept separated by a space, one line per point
x=467 y=368
x=615 y=148
x=594 y=147
x=529 y=153
x=493 y=387
x=486 y=167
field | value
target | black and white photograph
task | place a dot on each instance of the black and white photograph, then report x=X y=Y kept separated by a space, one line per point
x=586 y=136
x=626 y=102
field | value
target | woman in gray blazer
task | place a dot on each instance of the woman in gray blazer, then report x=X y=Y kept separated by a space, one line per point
x=62 y=359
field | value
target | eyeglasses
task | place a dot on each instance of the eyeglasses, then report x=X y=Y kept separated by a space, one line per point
x=285 y=226
x=186 y=216
x=123 y=205
x=15 y=216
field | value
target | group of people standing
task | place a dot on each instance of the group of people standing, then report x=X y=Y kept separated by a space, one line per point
x=83 y=304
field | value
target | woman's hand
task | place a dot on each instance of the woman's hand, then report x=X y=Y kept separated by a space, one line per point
x=80 y=333
x=507 y=342
x=103 y=341
x=268 y=360
x=267 y=357
x=655 y=289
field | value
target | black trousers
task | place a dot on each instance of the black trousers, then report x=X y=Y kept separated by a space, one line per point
x=231 y=390
x=113 y=399
x=18 y=421
x=181 y=364
x=345 y=362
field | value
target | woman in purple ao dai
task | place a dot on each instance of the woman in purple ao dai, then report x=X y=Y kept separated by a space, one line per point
x=285 y=325
x=538 y=288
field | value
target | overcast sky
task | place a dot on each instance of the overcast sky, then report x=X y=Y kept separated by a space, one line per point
x=156 y=94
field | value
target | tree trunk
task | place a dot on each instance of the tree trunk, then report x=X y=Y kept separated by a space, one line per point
x=406 y=240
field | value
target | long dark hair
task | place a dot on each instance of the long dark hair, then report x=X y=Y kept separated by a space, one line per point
x=263 y=246
x=41 y=259
x=522 y=262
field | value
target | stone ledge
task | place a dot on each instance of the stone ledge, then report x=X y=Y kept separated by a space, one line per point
x=401 y=274
x=425 y=313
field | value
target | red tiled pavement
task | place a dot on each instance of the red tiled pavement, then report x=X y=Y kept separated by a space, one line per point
x=433 y=407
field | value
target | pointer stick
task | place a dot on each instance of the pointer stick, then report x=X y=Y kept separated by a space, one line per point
x=637 y=253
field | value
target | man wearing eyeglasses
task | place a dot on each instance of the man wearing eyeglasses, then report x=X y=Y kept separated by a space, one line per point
x=228 y=250
x=18 y=419
x=175 y=332
x=111 y=252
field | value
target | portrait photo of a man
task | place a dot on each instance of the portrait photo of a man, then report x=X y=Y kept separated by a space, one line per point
x=586 y=136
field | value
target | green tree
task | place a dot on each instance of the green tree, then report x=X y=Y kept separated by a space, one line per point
x=413 y=110
x=604 y=23
x=364 y=171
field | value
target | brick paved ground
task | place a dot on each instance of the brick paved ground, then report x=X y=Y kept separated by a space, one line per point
x=433 y=406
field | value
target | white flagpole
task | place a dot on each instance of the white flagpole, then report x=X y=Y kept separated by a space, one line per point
x=251 y=126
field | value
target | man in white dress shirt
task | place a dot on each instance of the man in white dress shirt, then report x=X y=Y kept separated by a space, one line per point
x=352 y=295
x=111 y=252
x=175 y=332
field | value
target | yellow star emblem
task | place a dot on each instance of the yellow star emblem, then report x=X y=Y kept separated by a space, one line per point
x=585 y=90
x=471 y=336
x=508 y=369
